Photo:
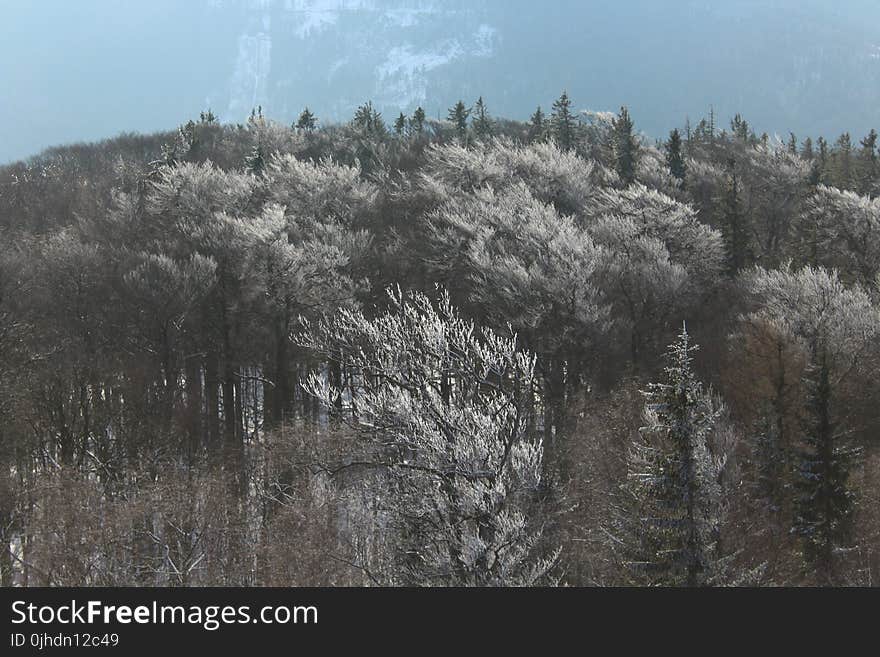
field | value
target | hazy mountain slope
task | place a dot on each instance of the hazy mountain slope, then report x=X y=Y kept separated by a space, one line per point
x=89 y=69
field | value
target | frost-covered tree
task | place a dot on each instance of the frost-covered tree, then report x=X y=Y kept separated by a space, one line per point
x=834 y=326
x=672 y=501
x=442 y=410
x=841 y=230
x=521 y=264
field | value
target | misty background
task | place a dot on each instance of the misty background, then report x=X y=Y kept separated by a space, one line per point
x=90 y=69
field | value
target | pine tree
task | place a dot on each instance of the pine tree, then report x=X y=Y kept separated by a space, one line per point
x=674 y=159
x=792 y=144
x=482 y=122
x=740 y=128
x=368 y=121
x=626 y=147
x=674 y=508
x=563 y=123
x=400 y=124
x=868 y=168
x=307 y=121
x=417 y=122
x=256 y=160
x=843 y=164
x=807 y=150
x=824 y=507
x=458 y=115
x=711 y=124
x=733 y=222
x=537 y=126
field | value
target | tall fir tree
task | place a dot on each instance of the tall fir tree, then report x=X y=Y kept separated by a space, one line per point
x=843 y=162
x=306 y=121
x=807 y=149
x=626 y=146
x=564 y=123
x=400 y=124
x=670 y=531
x=482 y=122
x=458 y=116
x=824 y=505
x=537 y=126
x=733 y=222
x=868 y=168
x=674 y=158
x=417 y=122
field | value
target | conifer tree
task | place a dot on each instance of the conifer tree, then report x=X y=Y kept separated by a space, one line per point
x=674 y=159
x=400 y=125
x=458 y=115
x=537 y=127
x=673 y=503
x=626 y=147
x=482 y=122
x=740 y=128
x=807 y=149
x=369 y=121
x=868 y=168
x=306 y=121
x=792 y=143
x=417 y=122
x=563 y=123
x=843 y=164
x=733 y=222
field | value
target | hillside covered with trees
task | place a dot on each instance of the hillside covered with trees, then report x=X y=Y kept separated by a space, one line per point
x=403 y=351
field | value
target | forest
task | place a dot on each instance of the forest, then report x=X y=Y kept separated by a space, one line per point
x=459 y=352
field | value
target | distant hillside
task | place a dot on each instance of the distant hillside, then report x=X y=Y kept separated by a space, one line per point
x=90 y=69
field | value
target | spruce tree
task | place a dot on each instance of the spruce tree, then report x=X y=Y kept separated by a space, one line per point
x=807 y=150
x=537 y=126
x=843 y=164
x=674 y=159
x=824 y=506
x=563 y=123
x=400 y=125
x=868 y=163
x=670 y=534
x=792 y=143
x=458 y=115
x=740 y=128
x=733 y=222
x=482 y=122
x=626 y=147
x=417 y=122
x=306 y=121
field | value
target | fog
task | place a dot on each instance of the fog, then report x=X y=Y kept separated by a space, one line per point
x=90 y=69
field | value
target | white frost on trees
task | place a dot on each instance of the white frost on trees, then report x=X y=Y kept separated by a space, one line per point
x=443 y=413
